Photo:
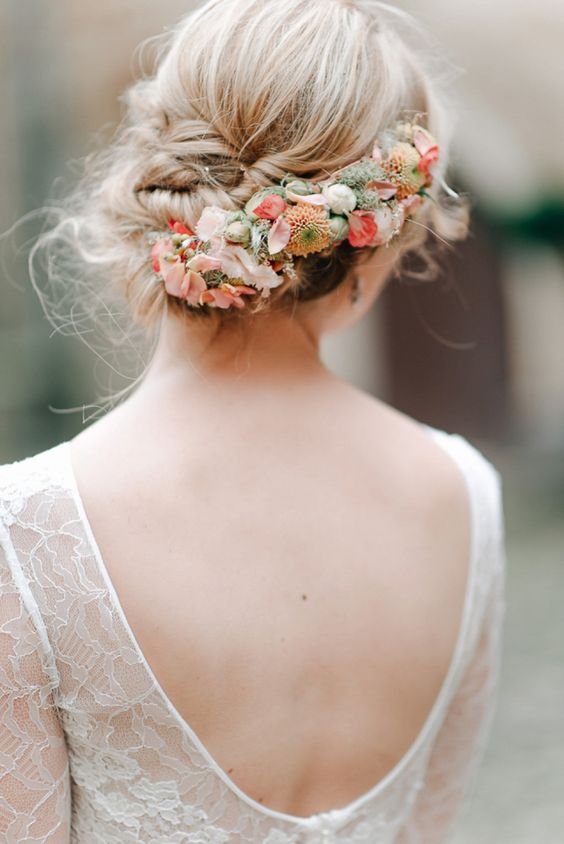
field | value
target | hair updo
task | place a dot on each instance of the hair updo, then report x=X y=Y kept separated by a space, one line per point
x=245 y=92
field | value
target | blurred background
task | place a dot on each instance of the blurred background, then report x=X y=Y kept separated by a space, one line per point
x=479 y=351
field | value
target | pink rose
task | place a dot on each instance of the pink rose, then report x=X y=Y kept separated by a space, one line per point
x=161 y=248
x=271 y=207
x=427 y=148
x=411 y=204
x=226 y=295
x=279 y=236
x=203 y=264
x=377 y=153
x=179 y=228
x=428 y=159
x=236 y=262
x=386 y=226
x=385 y=190
x=211 y=223
x=184 y=285
x=317 y=199
x=363 y=228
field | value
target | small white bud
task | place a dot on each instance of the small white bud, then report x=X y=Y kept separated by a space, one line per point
x=341 y=198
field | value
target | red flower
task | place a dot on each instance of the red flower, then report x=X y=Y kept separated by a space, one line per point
x=427 y=148
x=180 y=228
x=363 y=228
x=161 y=248
x=271 y=207
x=428 y=159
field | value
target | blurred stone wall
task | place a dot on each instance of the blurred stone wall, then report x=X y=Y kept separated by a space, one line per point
x=507 y=66
x=63 y=67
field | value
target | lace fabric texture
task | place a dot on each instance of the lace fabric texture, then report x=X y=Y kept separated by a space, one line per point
x=91 y=749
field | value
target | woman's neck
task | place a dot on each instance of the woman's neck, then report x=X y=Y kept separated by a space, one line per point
x=278 y=351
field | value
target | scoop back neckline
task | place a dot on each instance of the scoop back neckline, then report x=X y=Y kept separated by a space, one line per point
x=340 y=814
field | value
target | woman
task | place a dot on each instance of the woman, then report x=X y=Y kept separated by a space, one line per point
x=253 y=603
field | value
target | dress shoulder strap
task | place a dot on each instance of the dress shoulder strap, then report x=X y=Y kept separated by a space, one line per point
x=484 y=481
x=485 y=490
x=32 y=491
x=44 y=471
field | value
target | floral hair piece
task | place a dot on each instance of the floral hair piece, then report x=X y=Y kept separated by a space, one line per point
x=241 y=253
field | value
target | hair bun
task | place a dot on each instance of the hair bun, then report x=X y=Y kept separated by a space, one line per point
x=242 y=95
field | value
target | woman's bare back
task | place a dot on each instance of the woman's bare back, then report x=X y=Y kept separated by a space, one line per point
x=294 y=570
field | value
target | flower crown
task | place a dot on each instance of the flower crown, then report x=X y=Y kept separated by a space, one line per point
x=236 y=254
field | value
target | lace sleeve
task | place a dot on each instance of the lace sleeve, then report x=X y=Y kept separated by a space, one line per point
x=34 y=771
x=461 y=742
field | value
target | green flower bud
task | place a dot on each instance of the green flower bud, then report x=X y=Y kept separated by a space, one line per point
x=339 y=228
x=236 y=217
x=238 y=232
x=301 y=187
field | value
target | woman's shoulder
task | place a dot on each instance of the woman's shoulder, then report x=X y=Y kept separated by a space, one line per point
x=429 y=452
x=483 y=477
x=484 y=481
x=450 y=474
x=468 y=454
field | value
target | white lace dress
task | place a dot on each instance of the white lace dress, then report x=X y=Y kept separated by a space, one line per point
x=91 y=749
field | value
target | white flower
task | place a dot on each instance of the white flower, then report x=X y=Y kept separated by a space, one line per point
x=211 y=223
x=238 y=232
x=237 y=263
x=340 y=198
x=387 y=225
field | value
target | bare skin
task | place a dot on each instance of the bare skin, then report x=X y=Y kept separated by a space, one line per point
x=291 y=553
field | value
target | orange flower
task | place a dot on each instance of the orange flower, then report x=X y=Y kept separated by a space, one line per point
x=401 y=168
x=310 y=229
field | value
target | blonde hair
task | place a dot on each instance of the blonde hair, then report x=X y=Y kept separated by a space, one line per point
x=243 y=93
